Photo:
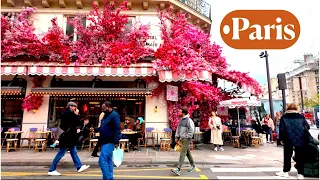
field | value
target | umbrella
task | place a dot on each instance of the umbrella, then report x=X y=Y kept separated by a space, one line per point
x=239 y=102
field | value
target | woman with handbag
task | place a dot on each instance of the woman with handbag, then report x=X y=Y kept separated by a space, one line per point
x=216 y=131
x=293 y=135
x=70 y=124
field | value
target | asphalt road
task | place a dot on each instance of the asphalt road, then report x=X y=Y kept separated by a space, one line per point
x=149 y=172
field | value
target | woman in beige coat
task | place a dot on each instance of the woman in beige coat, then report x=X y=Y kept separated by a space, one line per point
x=216 y=131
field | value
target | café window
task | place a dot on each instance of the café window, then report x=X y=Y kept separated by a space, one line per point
x=90 y=105
x=11 y=105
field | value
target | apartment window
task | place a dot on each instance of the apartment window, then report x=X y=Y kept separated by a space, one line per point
x=71 y=31
x=129 y=24
x=316 y=72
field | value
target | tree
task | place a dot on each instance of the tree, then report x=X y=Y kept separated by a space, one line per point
x=310 y=103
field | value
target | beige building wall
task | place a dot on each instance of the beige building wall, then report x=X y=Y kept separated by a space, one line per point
x=38 y=119
x=310 y=87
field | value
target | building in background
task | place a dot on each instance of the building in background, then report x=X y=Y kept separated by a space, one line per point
x=127 y=91
x=308 y=72
x=276 y=96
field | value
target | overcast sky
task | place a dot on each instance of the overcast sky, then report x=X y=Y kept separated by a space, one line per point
x=308 y=14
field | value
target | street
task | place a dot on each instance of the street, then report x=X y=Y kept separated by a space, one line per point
x=249 y=163
x=150 y=172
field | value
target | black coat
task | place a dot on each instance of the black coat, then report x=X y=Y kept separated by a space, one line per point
x=69 y=124
x=292 y=129
x=311 y=159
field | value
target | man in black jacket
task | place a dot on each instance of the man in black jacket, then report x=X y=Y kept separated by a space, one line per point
x=110 y=136
x=68 y=139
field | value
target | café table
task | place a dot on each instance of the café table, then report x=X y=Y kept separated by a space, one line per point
x=41 y=139
x=13 y=137
x=128 y=133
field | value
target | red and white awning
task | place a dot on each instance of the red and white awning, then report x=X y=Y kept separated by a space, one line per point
x=239 y=102
x=51 y=69
x=169 y=76
x=13 y=70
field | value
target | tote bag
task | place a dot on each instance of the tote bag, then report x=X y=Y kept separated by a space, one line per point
x=117 y=156
x=178 y=146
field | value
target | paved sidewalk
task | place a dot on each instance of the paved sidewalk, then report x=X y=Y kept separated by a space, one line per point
x=266 y=154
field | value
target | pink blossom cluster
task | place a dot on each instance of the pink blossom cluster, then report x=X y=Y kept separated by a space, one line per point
x=106 y=41
x=18 y=36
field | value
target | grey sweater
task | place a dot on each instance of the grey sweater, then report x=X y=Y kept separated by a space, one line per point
x=185 y=128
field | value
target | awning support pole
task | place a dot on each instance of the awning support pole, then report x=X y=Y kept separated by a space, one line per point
x=52 y=80
x=94 y=82
x=15 y=77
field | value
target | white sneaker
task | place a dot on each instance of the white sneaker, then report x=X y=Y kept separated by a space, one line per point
x=283 y=174
x=54 y=173
x=300 y=176
x=221 y=149
x=216 y=149
x=83 y=167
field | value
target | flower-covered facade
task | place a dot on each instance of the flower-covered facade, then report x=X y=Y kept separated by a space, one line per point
x=111 y=61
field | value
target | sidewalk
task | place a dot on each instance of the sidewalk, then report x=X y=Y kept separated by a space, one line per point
x=266 y=154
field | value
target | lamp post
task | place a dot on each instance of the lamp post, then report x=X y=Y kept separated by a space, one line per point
x=265 y=55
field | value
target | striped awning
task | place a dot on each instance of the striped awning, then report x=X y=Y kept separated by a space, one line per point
x=169 y=76
x=51 y=69
x=239 y=102
x=76 y=91
x=13 y=70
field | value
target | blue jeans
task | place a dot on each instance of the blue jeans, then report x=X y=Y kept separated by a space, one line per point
x=105 y=161
x=269 y=132
x=61 y=153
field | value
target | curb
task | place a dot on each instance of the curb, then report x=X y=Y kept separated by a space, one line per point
x=95 y=163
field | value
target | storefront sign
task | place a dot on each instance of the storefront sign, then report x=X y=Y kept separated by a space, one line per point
x=172 y=93
x=153 y=42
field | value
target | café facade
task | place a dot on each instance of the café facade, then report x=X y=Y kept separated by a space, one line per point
x=88 y=86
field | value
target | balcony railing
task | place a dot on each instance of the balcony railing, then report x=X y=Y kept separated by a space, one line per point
x=200 y=6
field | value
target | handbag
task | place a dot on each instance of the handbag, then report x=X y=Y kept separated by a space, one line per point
x=178 y=146
x=63 y=133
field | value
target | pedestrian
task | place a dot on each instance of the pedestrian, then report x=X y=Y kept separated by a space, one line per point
x=110 y=136
x=68 y=140
x=277 y=122
x=84 y=130
x=98 y=145
x=215 y=125
x=184 y=133
x=268 y=126
x=292 y=128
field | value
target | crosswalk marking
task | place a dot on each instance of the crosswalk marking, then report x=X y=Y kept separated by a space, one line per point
x=254 y=169
x=252 y=177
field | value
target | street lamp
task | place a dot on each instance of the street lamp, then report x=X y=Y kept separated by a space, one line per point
x=265 y=55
